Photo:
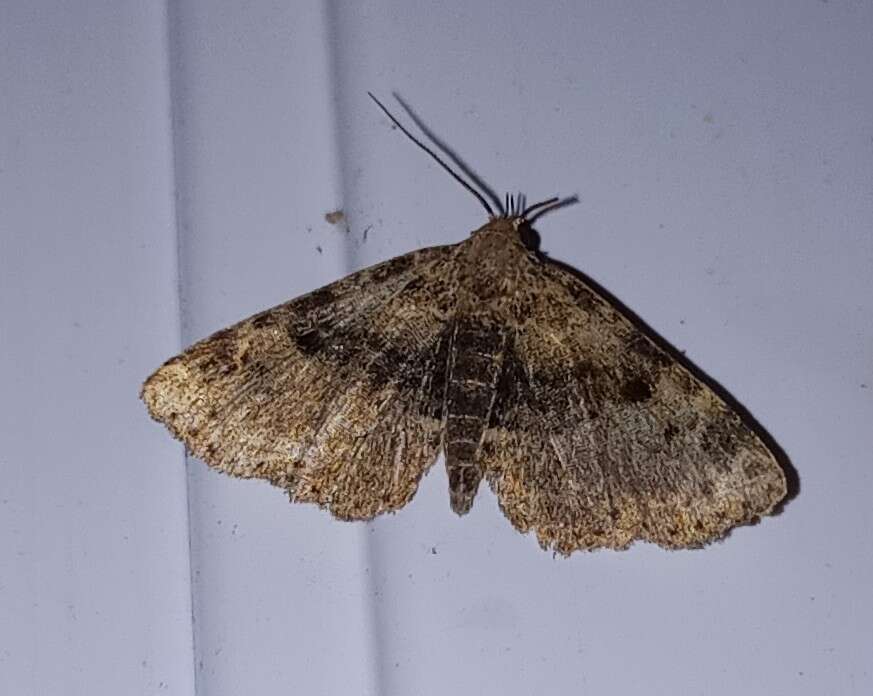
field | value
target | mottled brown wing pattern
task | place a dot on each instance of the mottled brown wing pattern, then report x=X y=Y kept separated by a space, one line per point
x=335 y=396
x=597 y=437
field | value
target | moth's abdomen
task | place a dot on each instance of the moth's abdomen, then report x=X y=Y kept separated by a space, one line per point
x=477 y=355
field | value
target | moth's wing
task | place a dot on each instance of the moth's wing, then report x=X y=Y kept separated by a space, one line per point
x=598 y=437
x=335 y=396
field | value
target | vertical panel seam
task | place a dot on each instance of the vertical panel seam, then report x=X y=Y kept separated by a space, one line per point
x=171 y=59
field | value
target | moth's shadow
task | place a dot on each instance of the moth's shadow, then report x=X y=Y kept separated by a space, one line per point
x=449 y=152
x=532 y=241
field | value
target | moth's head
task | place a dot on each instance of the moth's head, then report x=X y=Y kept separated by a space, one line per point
x=513 y=220
x=503 y=231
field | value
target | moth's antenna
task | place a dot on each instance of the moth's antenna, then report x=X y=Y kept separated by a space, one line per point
x=424 y=147
x=541 y=204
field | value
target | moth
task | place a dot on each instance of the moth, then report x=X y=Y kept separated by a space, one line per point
x=589 y=433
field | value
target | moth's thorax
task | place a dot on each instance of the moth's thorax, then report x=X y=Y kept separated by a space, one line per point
x=500 y=227
x=489 y=262
x=496 y=243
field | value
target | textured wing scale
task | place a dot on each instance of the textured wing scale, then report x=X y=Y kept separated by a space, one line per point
x=598 y=437
x=334 y=396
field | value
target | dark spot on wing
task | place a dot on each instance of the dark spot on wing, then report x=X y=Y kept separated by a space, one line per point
x=310 y=342
x=636 y=390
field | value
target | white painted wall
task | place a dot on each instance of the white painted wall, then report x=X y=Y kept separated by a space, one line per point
x=172 y=169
